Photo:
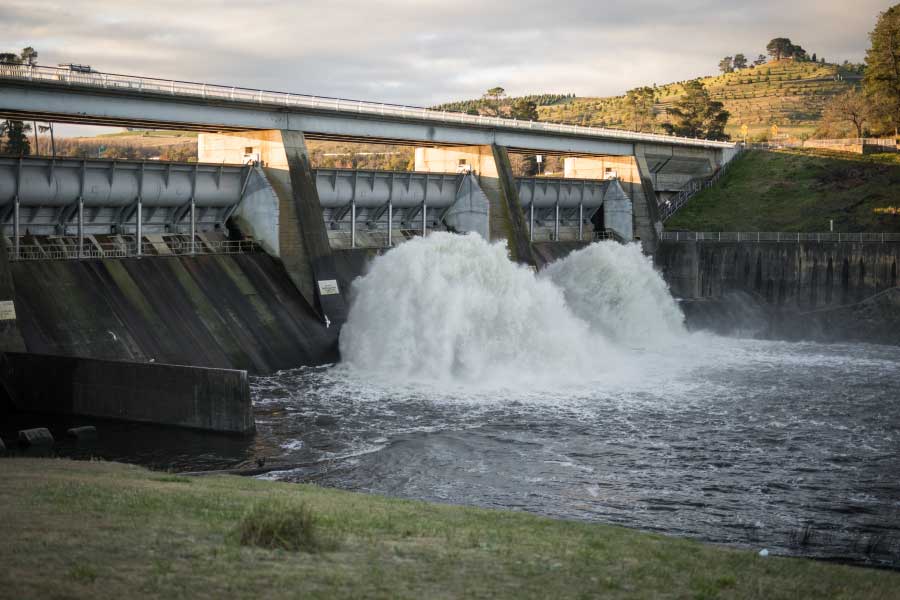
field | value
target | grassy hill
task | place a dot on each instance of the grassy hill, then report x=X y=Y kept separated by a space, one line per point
x=785 y=93
x=799 y=190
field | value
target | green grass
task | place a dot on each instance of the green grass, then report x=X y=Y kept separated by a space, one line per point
x=106 y=530
x=798 y=190
x=280 y=523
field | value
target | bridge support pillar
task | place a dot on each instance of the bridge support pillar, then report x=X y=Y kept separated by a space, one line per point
x=495 y=177
x=635 y=178
x=297 y=229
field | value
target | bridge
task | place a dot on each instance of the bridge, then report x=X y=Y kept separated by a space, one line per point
x=244 y=258
x=463 y=178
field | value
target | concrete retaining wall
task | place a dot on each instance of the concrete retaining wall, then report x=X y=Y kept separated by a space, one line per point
x=807 y=290
x=237 y=311
x=208 y=399
x=806 y=275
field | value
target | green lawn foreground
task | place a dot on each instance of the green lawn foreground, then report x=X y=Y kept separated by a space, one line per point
x=107 y=530
x=798 y=190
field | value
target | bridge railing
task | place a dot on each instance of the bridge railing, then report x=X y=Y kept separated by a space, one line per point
x=150 y=85
x=97 y=250
x=783 y=236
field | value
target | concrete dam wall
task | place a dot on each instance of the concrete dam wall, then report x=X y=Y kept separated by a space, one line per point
x=811 y=290
x=237 y=311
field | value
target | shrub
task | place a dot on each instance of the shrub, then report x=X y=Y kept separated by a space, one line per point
x=279 y=523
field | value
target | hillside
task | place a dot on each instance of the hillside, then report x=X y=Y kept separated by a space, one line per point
x=785 y=93
x=799 y=190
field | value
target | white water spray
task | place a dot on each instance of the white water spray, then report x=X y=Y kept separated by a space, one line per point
x=615 y=288
x=454 y=308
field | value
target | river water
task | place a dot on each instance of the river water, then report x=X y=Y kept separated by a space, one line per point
x=578 y=394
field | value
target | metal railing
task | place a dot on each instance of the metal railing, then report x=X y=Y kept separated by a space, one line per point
x=787 y=237
x=70 y=251
x=149 y=85
x=694 y=187
x=825 y=144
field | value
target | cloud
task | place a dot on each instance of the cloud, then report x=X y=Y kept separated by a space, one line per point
x=426 y=51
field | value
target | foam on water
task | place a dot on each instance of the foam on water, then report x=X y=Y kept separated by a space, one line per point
x=616 y=290
x=455 y=309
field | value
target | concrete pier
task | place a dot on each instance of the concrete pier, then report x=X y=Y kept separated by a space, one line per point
x=208 y=399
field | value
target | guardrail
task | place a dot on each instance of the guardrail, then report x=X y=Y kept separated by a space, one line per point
x=787 y=237
x=64 y=251
x=167 y=87
x=694 y=187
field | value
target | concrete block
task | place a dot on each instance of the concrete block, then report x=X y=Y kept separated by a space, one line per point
x=39 y=436
x=87 y=432
x=195 y=397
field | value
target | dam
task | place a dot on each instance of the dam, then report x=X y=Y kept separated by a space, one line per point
x=244 y=260
x=454 y=332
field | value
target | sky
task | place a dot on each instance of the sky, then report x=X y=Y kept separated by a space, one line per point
x=426 y=52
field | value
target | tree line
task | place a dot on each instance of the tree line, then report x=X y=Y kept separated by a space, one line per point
x=874 y=107
x=778 y=49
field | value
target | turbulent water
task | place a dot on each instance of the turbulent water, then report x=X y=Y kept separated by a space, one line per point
x=577 y=393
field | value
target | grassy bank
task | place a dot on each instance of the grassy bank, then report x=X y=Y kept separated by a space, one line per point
x=799 y=190
x=106 y=530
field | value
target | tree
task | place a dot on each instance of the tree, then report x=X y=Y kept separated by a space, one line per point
x=740 y=61
x=696 y=115
x=529 y=165
x=797 y=52
x=29 y=56
x=639 y=104
x=780 y=48
x=493 y=97
x=524 y=110
x=882 y=75
x=852 y=107
x=726 y=65
x=16 y=134
x=760 y=60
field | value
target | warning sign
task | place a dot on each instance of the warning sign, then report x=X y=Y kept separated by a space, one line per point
x=7 y=310
x=328 y=287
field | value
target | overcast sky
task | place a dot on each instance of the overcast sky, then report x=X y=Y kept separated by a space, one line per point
x=426 y=52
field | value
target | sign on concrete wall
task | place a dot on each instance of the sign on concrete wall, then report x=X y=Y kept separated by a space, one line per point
x=7 y=310
x=328 y=287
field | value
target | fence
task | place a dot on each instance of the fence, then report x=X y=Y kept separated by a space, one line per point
x=758 y=236
x=97 y=250
x=844 y=144
x=149 y=85
x=694 y=187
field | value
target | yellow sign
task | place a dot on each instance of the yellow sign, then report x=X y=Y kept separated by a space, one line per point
x=744 y=130
x=774 y=131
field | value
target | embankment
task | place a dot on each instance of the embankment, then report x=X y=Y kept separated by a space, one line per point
x=808 y=290
x=109 y=530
